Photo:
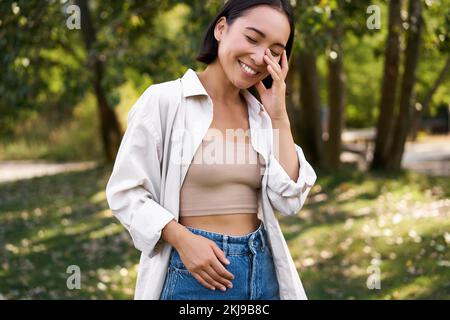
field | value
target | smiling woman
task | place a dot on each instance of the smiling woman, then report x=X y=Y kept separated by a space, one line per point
x=248 y=28
x=213 y=224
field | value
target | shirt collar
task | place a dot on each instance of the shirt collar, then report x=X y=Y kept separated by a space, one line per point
x=192 y=86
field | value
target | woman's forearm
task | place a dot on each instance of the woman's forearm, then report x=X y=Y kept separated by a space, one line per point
x=284 y=147
x=173 y=233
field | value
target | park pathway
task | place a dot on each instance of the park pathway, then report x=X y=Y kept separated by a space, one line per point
x=430 y=156
x=27 y=169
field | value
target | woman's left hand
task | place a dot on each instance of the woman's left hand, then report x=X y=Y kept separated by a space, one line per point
x=274 y=99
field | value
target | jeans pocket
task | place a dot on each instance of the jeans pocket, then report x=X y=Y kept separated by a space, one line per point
x=177 y=265
x=188 y=287
x=180 y=269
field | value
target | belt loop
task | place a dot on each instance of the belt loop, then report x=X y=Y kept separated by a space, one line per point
x=262 y=238
x=225 y=244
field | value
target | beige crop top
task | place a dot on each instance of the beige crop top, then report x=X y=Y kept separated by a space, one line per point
x=224 y=177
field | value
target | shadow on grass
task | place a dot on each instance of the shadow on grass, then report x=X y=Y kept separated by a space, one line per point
x=52 y=222
x=369 y=187
x=408 y=269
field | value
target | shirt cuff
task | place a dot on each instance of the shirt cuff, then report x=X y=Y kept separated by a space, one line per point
x=282 y=183
x=147 y=224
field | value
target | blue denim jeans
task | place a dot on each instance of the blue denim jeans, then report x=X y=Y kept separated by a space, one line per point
x=251 y=263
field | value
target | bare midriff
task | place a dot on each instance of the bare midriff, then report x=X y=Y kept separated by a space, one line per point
x=236 y=224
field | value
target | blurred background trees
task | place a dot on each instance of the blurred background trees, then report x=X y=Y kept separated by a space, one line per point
x=344 y=74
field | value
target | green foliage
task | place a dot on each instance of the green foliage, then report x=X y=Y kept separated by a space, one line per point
x=44 y=65
x=36 y=74
x=434 y=52
x=43 y=136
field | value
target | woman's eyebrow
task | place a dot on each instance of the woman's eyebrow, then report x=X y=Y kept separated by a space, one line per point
x=262 y=34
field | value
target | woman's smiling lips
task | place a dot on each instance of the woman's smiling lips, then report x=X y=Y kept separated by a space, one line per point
x=248 y=70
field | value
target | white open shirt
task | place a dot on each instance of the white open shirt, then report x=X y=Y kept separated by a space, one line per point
x=165 y=127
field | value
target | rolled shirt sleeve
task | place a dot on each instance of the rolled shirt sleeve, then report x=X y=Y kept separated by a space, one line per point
x=133 y=189
x=286 y=195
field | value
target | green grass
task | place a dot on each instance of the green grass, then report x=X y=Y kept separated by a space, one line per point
x=355 y=221
x=40 y=137
x=352 y=221
x=50 y=223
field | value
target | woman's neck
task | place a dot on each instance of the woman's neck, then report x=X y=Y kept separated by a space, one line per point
x=217 y=84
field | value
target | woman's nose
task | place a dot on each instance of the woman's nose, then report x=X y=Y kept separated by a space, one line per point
x=258 y=57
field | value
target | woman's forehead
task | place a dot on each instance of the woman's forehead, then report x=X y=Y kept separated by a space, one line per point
x=271 y=23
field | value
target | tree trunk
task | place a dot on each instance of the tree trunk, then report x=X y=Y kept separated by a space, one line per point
x=408 y=82
x=310 y=107
x=417 y=113
x=385 y=122
x=336 y=99
x=110 y=130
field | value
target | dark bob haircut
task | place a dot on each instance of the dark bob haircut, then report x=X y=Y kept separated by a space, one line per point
x=234 y=9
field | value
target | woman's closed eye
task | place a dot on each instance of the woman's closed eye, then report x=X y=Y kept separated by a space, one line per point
x=276 y=54
x=251 y=40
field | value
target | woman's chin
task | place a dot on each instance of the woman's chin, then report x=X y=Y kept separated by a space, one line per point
x=243 y=83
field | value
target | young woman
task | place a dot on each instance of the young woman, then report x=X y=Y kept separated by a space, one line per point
x=202 y=217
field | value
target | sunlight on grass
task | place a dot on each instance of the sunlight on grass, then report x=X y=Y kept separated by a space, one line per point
x=396 y=223
x=351 y=223
x=418 y=287
x=109 y=230
x=98 y=197
x=63 y=222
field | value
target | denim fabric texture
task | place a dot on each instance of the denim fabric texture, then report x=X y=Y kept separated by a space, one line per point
x=251 y=263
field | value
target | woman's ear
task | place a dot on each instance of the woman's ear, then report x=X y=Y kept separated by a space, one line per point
x=220 y=27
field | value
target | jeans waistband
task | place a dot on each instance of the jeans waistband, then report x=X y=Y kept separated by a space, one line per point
x=236 y=244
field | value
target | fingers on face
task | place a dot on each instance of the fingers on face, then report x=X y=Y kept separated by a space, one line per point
x=271 y=59
x=273 y=73
x=285 y=63
x=275 y=67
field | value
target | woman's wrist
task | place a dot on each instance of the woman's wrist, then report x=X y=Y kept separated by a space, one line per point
x=174 y=233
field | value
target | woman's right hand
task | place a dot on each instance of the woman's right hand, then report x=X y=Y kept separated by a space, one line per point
x=203 y=258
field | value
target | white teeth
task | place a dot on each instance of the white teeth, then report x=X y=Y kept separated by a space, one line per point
x=247 y=68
